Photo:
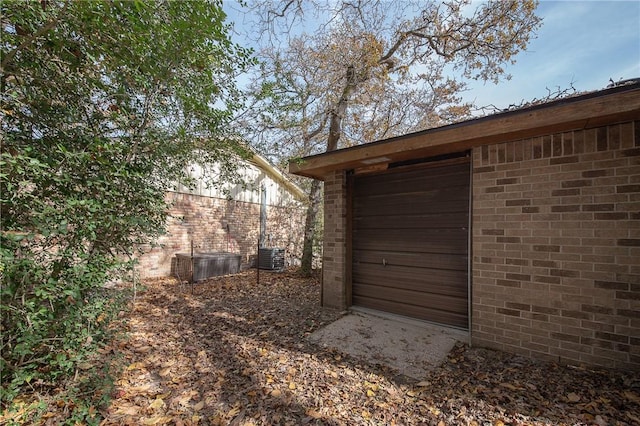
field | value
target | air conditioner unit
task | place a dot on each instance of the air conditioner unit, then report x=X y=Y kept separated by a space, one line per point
x=271 y=258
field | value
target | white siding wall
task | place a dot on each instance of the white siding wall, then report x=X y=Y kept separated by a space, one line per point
x=253 y=177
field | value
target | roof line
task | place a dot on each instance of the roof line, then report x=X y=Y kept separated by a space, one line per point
x=278 y=176
x=632 y=84
x=594 y=109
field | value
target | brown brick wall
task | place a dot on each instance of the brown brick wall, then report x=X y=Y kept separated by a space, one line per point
x=204 y=220
x=556 y=246
x=334 y=279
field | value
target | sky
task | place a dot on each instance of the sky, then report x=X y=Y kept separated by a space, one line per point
x=584 y=43
x=581 y=43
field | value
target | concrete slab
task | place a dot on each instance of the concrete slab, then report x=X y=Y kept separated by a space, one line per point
x=410 y=346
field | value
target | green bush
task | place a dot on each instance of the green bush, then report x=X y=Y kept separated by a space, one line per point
x=103 y=105
x=54 y=314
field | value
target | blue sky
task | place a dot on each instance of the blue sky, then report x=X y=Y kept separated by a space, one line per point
x=584 y=42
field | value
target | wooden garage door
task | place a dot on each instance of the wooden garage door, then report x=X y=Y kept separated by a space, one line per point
x=410 y=242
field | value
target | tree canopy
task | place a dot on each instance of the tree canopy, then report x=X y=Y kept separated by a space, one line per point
x=381 y=68
x=103 y=104
x=337 y=74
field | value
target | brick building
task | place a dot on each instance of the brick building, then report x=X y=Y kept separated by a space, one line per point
x=227 y=220
x=522 y=227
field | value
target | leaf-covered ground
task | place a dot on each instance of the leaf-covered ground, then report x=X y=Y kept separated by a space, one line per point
x=236 y=352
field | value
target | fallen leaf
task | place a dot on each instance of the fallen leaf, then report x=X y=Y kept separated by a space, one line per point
x=602 y=422
x=434 y=410
x=276 y=393
x=423 y=384
x=157 y=404
x=632 y=396
x=143 y=349
x=509 y=386
x=182 y=400
x=136 y=366
x=234 y=411
x=157 y=420
x=313 y=413
x=199 y=406
x=128 y=410
x=573 y=397
x=636 y=419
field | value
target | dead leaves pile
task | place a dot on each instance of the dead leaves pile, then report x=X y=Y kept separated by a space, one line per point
x=235 y=352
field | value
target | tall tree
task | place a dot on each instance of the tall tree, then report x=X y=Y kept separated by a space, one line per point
x=103 y=104
x=374 y=69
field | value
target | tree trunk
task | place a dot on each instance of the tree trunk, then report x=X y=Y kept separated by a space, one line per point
x=306 y=266
x=335 y=131
x=337 y=114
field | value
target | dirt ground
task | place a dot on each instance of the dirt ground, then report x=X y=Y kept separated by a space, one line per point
x=234 y=352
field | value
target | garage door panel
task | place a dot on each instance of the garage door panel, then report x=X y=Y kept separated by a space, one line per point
x=433 y=281
x=417 y=298
x=413 y=221
x=449 y=241
x=402 y=186
x=409 y=196
x=417 y=246
x=409 y=207
x=415 y=259
x=410 y=235
x=391 y=183
x=420 y=312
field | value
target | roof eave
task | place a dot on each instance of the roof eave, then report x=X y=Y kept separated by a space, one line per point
x=582 y=112
x=278 y=176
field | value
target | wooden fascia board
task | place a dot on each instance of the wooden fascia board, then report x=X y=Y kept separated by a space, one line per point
x=278 y=176
x=573 y=115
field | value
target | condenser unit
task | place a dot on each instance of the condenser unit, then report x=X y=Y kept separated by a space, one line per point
x=271 y=258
